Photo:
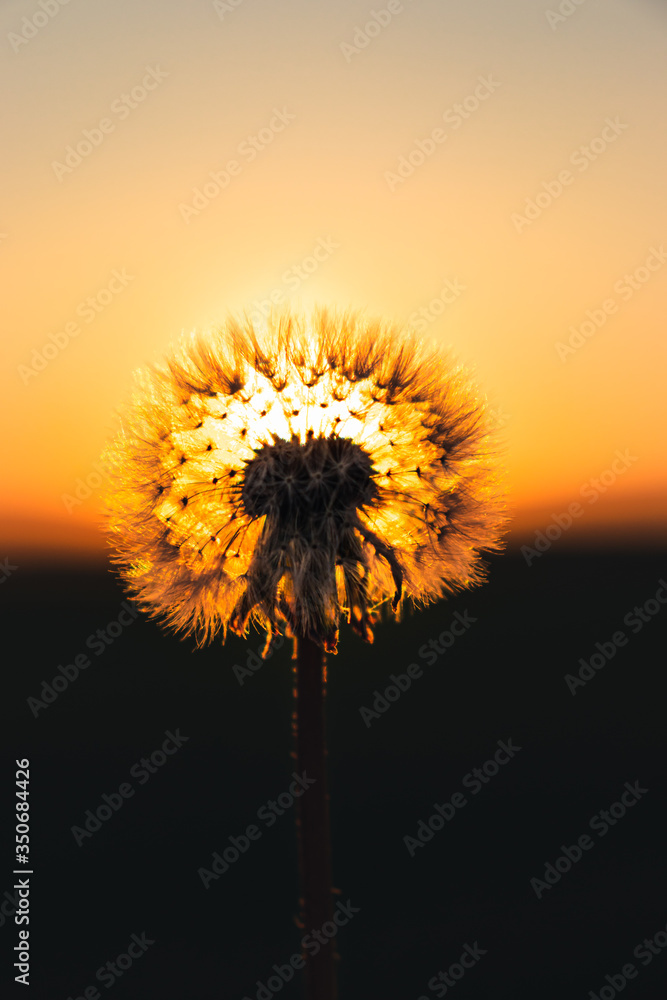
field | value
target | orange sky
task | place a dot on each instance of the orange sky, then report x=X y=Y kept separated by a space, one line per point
x=407 y=159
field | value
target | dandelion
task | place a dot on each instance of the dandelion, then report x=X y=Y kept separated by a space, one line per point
x=309 y=476
x=320 y=471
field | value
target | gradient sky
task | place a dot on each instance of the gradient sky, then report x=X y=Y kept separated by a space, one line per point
x=325 y=180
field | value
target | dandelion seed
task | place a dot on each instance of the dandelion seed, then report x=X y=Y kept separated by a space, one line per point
x=339 y=443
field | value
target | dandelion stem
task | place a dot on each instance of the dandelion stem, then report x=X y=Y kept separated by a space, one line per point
x=314 y=836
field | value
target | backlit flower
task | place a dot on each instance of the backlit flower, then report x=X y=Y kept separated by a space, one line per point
x=310 y=473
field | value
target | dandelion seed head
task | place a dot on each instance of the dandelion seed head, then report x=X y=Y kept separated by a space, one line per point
x=313 y=472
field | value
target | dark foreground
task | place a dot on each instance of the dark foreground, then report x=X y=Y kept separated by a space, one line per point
x=569 y=793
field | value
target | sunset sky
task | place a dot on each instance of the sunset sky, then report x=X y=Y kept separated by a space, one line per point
x=491 y=173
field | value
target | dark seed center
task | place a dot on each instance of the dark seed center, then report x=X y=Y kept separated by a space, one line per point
x=294 y=480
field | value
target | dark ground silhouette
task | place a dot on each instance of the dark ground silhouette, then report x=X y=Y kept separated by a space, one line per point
x=502 y=679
